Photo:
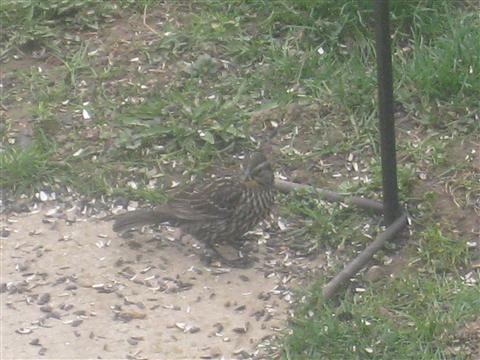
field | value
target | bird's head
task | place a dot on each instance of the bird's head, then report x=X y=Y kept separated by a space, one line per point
x=259 y=170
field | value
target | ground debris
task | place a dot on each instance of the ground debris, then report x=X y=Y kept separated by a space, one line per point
x=136 y=356
x=76 y=323
x=243 y=329
x=24 y=331
x=35 y=342
x=187 y=328
x=43 y=299
x=105 y=288
x=141 y=276
x=127 y=316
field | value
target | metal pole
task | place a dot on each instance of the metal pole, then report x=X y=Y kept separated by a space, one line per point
x=385 y=112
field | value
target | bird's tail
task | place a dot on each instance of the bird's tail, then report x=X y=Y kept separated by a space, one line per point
x=135 y=218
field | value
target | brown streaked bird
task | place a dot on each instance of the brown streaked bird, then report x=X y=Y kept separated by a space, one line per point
x=219 y=212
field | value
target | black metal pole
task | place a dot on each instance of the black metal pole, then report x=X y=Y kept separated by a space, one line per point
x=385 y=112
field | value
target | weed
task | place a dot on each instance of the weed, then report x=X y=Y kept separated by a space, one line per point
x=442 y=253
x=24 y=169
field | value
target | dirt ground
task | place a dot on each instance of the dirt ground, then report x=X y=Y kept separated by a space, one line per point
x=71 y=288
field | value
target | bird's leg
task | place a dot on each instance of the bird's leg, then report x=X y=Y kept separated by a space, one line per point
x=237 y=243
x=246 y=244
x=240 y=262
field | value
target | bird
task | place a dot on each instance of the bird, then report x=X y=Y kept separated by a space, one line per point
x=220 y=211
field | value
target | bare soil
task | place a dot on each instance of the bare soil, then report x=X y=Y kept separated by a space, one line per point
x=72 y=288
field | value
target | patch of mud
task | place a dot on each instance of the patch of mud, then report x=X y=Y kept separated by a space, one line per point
x=71 y=288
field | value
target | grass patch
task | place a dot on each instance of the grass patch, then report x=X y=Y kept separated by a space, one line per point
x=24 y=169
x=409 y=317
x=327 y=225
x=190 y=120
x=31 y=24
x=442 y=253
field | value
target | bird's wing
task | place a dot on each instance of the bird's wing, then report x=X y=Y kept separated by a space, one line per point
x=217 y=200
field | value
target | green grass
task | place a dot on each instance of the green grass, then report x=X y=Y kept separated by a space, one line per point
x=442 y=254
x=26 y=169
x=411 y=316
x=31 y=24
x=325 y=225
x=221 y=64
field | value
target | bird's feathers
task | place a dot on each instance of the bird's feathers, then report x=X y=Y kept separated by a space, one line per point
x=217 y=200
x=220 y=210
